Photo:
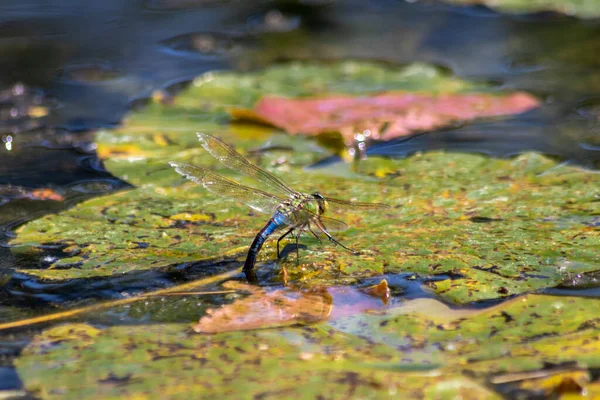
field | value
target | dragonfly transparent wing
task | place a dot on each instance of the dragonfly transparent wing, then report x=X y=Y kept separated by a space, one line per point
x=337 y=205
x=333 y=225
x=233 y=160
x=256 y=199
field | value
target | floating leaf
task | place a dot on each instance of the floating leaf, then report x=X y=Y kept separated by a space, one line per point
x=267 y=309
x=380 y=290
x=407 y=351
x=473 y=227
x=571 y=382
x=579 y=8
x=384 y=116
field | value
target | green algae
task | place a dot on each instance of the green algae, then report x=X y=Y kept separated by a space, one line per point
x=485 y=228
x=406 y=351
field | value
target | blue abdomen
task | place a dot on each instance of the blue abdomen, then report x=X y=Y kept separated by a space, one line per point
x=278 y=221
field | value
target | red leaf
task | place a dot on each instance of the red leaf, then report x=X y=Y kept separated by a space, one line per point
x=8 y=192
x=402 y=113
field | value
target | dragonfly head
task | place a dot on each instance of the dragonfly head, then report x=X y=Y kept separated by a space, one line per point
x=323 y=205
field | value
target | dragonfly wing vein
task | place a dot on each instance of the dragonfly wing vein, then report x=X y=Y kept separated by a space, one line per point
x=233 y=160
x=349 y=206
x=256 y=199
x=333 y=225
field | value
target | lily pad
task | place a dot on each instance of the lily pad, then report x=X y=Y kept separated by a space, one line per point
x=485 y=228
x=579 y=8
x=383 y=116
x=407 y=351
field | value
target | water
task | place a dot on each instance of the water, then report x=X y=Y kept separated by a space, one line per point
x=86 y=64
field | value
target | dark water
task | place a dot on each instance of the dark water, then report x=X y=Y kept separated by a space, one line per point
x=88 y=63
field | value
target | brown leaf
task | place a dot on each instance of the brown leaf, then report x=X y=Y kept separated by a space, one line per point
x=558 y=382
x=381 y=290
x=267 y=309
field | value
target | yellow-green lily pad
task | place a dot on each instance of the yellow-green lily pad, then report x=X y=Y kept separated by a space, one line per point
x=484 y=228
x=578 y=8
x=408 y=351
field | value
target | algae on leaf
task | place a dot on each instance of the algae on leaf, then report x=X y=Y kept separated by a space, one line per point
x=485 y=228
x=405 y=352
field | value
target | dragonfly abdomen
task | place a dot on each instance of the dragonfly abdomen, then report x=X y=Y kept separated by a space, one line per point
x=276 y=222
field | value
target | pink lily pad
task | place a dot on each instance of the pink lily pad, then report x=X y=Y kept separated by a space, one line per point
x=385 y=116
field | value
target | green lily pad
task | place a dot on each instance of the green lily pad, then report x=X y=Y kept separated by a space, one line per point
x=486 y=228
x=579 y=8
x=408 y=351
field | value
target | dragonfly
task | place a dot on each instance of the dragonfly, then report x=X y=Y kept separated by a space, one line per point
x=292 y=211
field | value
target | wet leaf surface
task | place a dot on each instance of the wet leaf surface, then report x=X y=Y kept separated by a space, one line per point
x=578 y=8
x=406 y=350
x=267 y=309
x=279 y=307
x=542 y=53
x=482 y=228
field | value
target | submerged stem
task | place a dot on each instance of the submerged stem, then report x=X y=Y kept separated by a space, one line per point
x=108 y=304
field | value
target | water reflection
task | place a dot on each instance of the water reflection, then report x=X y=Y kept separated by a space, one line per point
x=532 y=132
x=550 y=55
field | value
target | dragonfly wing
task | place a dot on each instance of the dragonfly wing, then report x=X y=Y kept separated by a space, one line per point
x=233 y=160
x=256 y=199
x=337 y=205
x=333 y=225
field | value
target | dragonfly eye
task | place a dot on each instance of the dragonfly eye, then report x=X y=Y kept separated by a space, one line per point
x=323 y=206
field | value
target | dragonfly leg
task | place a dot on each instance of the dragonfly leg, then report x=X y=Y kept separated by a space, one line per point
x=282 y=236
x=341 y=245
x=300 y=230
x=322 y=228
